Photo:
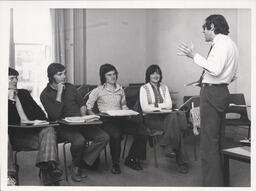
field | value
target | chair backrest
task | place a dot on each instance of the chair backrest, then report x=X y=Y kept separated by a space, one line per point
x=85 y=91
x=237 y=99
x=187 y=106
x=131 y=95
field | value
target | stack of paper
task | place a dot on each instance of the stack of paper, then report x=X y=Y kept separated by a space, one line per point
x=36 y=122
x=125 y=112
x=82 y=119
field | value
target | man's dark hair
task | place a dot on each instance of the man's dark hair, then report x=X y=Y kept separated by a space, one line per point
x=13 y=72
x=105 y=68
x=152 y=69
x=53 y=69
x=219 y=22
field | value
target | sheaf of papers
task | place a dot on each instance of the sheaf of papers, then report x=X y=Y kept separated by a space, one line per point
x=192 y=84
x=36 y=122
x=235 y=105
x=82 y=119
x=121 y=112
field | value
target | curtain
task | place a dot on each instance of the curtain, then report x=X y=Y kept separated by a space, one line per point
x=68 y=42
x=11 y=42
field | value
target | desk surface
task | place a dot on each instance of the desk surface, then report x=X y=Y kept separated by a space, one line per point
x=21 y=125
x=243 y=152
x=97 y=122
x=163 y=112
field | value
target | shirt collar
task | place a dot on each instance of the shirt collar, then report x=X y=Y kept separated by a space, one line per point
x=118 y=87
x=217 y=38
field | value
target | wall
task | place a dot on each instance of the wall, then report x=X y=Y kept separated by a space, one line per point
x=116 y=36
x=133 y=39
x=168 y=27
x=244 y=46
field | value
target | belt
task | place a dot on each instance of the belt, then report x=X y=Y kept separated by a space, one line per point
x=218 y=85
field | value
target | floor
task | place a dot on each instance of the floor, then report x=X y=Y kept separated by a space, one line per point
x=165 y=175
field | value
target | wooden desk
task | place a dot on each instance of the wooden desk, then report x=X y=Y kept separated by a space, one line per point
x=22 y=125
x=237 y=153
x=97 y=122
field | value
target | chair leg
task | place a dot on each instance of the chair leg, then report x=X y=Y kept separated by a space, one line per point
x=17 y=168
x=65 y=161
x=249 y=132
x=106 y=159
x=155 y=150
x=195 y=151
x=125 y=142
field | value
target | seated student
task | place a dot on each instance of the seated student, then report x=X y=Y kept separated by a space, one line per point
x=62 y=100
x=110 y=96
x=155 y=96
x=23 y=108
x=11 y=181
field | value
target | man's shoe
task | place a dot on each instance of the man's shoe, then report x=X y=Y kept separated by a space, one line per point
x=183 y=168
x=11 y=181
x=55 y=172
x=116 y=169
x=139 y=167
x=83 y=173
x=75 y=176
x=131 y=163
x=170 y=154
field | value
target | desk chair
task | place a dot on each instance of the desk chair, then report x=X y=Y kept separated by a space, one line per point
x=243 y=120
x=133 y=101
x=16 y=150
x=65 y=157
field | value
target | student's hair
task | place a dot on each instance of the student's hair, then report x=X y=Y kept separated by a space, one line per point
x=13 y=72
x=152 y=69
x=105 y=68
x=219 y=22
x=53 y=69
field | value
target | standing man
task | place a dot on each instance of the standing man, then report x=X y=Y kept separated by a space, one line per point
x=219 y=70
x=62 y=100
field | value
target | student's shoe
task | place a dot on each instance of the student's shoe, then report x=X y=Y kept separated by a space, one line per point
x=183 y=168
x=131 y=163
x=54 y=171
x=170 y=154
x=11 y=181
x=139 y=165
x=116 y=169
x=75 y=176
x=83 y=173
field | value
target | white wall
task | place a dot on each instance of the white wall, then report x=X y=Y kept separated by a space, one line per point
x=116 y=36
x=132 y=39
x=168 y=27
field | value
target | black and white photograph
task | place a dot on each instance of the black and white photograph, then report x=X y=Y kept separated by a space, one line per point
x=150 y=95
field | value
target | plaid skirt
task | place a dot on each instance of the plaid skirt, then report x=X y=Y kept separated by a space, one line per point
x=42 y=139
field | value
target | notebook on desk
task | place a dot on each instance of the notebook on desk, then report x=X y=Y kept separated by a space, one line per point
x=188 y=103
x=82 y=119
x=125 y=112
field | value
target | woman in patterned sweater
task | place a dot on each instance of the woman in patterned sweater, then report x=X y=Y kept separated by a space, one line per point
x=155 y=96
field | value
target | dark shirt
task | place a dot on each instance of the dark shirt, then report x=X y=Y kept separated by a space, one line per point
x=69 y=106
x=30 y=107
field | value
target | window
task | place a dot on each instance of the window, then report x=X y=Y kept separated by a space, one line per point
x=31 y=34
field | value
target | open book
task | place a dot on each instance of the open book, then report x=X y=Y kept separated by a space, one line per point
x=161 y=111
x=125 y=112
x=82 y=119
x=36 y=122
